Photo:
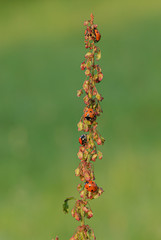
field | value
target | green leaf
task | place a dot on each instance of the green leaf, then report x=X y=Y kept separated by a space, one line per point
x=65 y=205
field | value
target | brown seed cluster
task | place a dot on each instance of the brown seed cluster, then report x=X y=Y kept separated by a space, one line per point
x=90 y=139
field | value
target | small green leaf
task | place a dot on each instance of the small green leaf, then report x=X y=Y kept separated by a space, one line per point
x=65 y=205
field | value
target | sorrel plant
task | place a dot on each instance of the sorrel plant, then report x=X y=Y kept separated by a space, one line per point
x=88 y=152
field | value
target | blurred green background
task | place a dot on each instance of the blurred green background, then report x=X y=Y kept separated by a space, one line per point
x=41 y=49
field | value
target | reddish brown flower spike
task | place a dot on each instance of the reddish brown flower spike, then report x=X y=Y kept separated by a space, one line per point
x=90 y=138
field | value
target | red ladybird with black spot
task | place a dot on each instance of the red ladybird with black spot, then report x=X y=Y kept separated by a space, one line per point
x=97 y=35
x=91 y=186
x=89 y=114
x=83 y=139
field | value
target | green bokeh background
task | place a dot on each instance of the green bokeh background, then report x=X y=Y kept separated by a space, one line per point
x=41 y=49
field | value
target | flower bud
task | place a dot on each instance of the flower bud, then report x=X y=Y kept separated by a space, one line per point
x=56 y=238
x=99 y=193
x=79 y=92
x=79 y=187
x=80 y=155
x=82 y=193
x=93 y=152
x=86 y=176
x=86 y=86
x=92 y=143
x=85 y=23
x=90 y=93
x=86 y=99
x=99 y=97
x=99 y=142
x=73 y=212
x=88 y=64
x=100 y=155
x=100 y=76
x=98 y=56
x=92 y=176
x=100 y=190
x=87 y=72
x=90 y=214
x=85 y=127
x=80 y=126
x=85 y=154
x=85 y=209
x=94 y=157
x=77 y=172
x=83 y=65
x=89 y=55
x=95 y=77
x=82 y=148
x=94 y=91
x=77 y=216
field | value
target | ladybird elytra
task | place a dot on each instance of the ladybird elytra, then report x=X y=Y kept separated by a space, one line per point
x=91 y=186
x=89 y=114
x=97 y=35
x=83 y=139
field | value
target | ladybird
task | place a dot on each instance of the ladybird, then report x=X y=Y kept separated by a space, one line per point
x=89 y=114
x=91 y=186
x=83 y=139
x=97 y=34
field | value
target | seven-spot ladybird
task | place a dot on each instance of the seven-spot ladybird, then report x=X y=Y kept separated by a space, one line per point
x=97 y=34
x=93 y=33
x=91 y=186
x=89 y=114
x=83 y=139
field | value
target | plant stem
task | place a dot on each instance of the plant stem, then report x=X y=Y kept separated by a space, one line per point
x=82 y=217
